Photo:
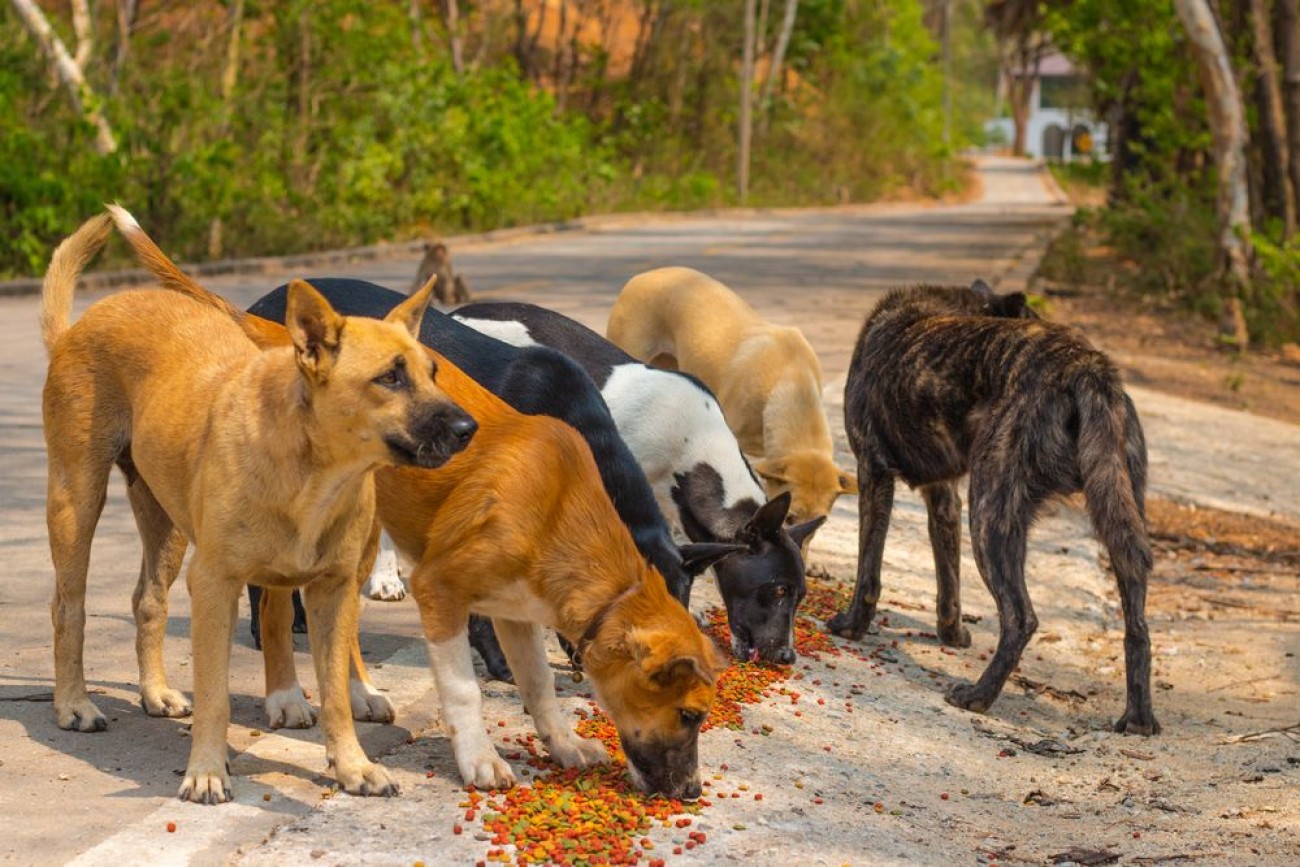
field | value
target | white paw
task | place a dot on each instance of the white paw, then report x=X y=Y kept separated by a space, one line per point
x=384 y=583
x=486 y=770
x=573 y=751
x=165 y=702
x=289 y=708
x=369 y=704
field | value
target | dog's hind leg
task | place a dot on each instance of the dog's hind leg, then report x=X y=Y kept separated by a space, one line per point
x=1001 y=512
x=332 y=613
x=525 y=651
x=943 y=507
x=78 y=480
x=1121 y=525
x=164 y=549
x=875 y=502
x=286 y=702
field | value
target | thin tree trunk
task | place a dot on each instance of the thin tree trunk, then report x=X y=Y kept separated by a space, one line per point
x=451 y=11
x=83 y=25
x=414 y=13
x=229 y=81
x=746 y=98
x=126 y=10
x=778 y=57
x=84 y=100
x=1228 y=123
x=1288 y=46
x=1277 y=192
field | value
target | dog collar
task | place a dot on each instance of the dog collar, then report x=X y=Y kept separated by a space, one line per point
x=593 y=627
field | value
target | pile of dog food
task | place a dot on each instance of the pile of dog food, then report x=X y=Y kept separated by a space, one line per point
x=596 y=816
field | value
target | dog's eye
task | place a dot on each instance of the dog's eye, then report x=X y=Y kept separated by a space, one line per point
x=690 y=718
x=781 y=591
x=392 y=378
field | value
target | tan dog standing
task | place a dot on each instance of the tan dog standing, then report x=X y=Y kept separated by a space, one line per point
x=263 y=459
x=766 y=377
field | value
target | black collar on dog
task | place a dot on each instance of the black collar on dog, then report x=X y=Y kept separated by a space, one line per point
x=589 y=634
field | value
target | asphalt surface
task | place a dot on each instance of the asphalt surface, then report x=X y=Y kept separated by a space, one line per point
x=69 y=797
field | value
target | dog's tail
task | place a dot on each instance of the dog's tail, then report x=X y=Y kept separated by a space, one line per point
x=172 y=277
x=1113 y=464
x=69 y=260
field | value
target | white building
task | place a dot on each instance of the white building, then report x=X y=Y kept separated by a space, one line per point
x=1060 y=124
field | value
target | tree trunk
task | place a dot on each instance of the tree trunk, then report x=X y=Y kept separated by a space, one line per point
x=86 y=102
x=1228 y=122
x=1288 y=46
x=746 y=99
x=778 y=57
x=451 y=13
x=1277 y=193
x=126 y=10
x=229 y=81
x=83 y=25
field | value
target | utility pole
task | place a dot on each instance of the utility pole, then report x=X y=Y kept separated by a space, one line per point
x=746 y=104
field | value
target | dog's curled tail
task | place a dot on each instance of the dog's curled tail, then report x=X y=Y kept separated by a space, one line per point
x=66 y=265
x=1113 y=464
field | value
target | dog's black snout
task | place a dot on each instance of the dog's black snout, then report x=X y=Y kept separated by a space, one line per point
x=784 y=656
x=692 y=791
x=463 y=430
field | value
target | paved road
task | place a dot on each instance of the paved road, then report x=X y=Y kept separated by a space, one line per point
x=110 y=795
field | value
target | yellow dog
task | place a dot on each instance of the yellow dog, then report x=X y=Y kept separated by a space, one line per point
x=263 y=460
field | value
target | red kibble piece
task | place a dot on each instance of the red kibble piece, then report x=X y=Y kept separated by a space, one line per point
x=683 y=823
x=690 y=844
x=1137 y=834
x=457 y=829
x=171 y=827
x=677 y=850
x=818 y=801
x=469 y=815
x=758 y=796
x=943 y=796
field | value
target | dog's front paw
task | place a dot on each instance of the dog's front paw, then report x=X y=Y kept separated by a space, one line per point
x=81 y=716
x=1135 y=722
x=486 y=770
x=289 y=709
x=165 y=702
x=969 y=696
x=370 y=780
x=384 y=583
x=369 y=704
x=574 y=751
x=845 y=626
x=205 y=786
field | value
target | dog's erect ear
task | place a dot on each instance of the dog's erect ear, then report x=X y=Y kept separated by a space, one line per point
x=848 y=482
x=1013 y=306
x=698 y=556
x=982 y=289
x=772 y=470
x=668 y=662
x=411 y=311
x=768 y=520
x=801 y=532
x=314 y=327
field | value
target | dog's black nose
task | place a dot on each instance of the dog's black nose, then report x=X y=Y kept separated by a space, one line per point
x=463 y=430
x=784 y=656
x=692 y=791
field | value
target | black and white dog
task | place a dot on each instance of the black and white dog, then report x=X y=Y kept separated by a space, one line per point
x=676 y=430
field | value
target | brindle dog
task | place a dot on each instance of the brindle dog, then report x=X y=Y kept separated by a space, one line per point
x=949 y=380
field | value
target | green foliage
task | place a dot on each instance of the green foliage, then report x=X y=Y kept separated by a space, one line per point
x=342 y=131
